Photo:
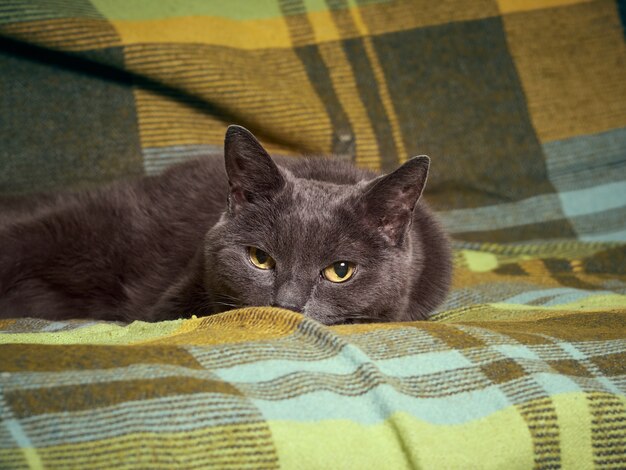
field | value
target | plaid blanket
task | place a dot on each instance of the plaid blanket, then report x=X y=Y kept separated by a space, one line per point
x=262 y=388
x=522 y=108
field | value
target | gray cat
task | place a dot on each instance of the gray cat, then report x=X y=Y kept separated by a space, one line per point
x=317 y=236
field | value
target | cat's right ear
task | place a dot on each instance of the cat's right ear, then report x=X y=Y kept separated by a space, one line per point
x=389 y=200
x=252 y=174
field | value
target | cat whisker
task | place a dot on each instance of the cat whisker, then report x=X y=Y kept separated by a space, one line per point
x=225 y=304
x=227 y=297
x=210 y=304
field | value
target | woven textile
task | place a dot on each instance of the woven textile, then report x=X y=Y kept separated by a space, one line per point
x=521 y=106
x=264 y=388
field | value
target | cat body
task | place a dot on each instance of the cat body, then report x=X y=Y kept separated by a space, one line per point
x=318 y=236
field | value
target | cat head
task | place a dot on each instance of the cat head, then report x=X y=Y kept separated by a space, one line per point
x=339 y=253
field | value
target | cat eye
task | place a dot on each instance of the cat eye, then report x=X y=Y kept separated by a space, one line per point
x=339 y=271
x=260 y=259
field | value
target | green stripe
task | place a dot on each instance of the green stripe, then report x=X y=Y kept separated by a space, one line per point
x=152 y=10
x=234 y=9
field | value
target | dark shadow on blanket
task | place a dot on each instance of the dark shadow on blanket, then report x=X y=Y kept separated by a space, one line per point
x=86 y=66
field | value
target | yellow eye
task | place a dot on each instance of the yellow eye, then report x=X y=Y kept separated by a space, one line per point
x=260 y=259
x=340 y=271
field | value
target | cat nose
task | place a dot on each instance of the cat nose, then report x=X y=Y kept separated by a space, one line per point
x=287 y=306
x=290 y=296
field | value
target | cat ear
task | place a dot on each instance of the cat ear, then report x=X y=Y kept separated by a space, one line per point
x=252 y=173
x=390 y=199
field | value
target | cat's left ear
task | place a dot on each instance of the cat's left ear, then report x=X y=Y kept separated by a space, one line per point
x=388 y=201
x=252 y=174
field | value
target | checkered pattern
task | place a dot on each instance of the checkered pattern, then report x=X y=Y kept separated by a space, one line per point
x=263 y=388
x=521 y=106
